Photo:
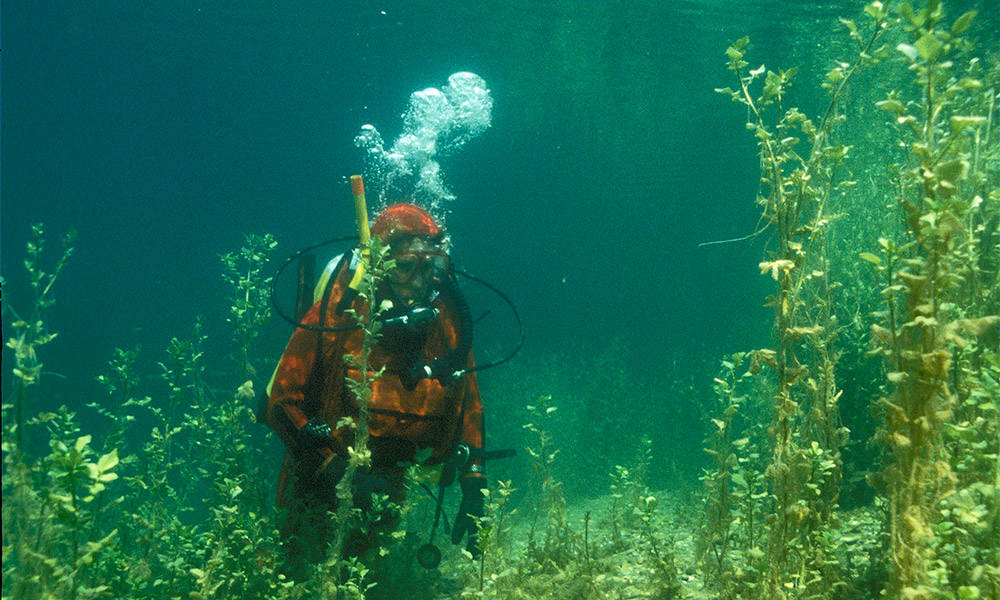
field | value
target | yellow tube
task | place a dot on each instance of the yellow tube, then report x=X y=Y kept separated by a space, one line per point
x=364 y=233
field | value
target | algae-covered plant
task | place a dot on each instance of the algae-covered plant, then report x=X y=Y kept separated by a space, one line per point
x=936 y=330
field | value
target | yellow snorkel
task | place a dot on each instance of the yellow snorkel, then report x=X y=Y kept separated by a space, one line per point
x=364 y=233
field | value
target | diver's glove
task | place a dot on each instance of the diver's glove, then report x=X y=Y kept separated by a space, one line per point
x=469 y=513
x=316 y=432
x=364 y=486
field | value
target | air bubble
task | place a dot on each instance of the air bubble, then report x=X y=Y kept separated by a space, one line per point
x=437 y=123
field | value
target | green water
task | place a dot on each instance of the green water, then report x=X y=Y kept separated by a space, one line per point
x=163 y=134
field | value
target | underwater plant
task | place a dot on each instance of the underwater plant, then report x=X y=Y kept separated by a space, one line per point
x=249 y=305
x=496 y=573
x=31 y=332
x=722 y=476
x=51 y=504
x=377 y=263
x=555 y=548
x=185 y=514
x=937 y=332
x=797 y=188
x=629 y=486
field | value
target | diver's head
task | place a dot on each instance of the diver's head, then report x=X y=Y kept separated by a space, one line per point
x=418 y=246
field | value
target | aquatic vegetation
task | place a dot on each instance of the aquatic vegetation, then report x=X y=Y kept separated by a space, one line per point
x=250 y=306
x=629 y=486
x=175 y=503
x=554 y=549
x=805 y=433
x=723 y=475
x=939 y=289
x=552 y=554
x=496 y=573
x=937 y=312
x=359 y=457
x=31 y=332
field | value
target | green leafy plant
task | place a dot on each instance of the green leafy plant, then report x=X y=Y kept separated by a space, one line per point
x=32 y=333
x=555 y=548
x=377 y=264
x=250 y=308
x=796 y=190
x=724 y=474
x=934 y=315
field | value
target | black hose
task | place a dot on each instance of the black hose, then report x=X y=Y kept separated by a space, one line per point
x=281 y=269
x=517 y=317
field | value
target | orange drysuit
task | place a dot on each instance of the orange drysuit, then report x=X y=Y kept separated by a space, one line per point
x=310 y=382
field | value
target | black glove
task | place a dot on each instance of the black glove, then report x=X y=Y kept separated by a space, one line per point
x=364 y=486
x=469 y=512
x=315 y=433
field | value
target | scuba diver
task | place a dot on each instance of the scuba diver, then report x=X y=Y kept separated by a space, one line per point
x=426 y=402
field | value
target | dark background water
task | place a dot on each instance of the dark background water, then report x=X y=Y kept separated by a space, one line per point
x=164 y=132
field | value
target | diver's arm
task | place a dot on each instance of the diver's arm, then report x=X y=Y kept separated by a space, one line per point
x=287 y=413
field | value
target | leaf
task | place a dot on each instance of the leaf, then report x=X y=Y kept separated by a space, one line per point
x=797 y=332
x=782 y=265
x=936 y=364
x=908 y=50
x=976 y=327
x=896 y=376
x=959 y=123
x=952 y=171
x=81 y=442
x=772 y=85
x=108 y=461
x=962 y=23
x=868 y=256
x=875 y=10
x=969 y=84
x=891 y=105
x=929 y=46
